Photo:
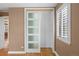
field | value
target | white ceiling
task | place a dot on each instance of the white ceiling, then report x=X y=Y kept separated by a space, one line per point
x=5 y=6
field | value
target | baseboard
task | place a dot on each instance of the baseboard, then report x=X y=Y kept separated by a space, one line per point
x=56 y=53
x=16 y=52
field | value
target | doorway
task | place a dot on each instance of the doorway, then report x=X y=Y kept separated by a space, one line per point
x=43 y=34
x=4 y=33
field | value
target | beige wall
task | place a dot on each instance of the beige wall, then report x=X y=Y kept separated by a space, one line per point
x=73 y=49
x=16 y=29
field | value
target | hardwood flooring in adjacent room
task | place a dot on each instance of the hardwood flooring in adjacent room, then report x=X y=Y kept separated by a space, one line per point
x=44 y=52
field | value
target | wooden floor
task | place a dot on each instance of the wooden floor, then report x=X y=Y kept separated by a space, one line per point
x=44 y=52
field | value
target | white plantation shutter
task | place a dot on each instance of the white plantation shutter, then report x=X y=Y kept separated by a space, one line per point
x=58 y=22
x=63 y=22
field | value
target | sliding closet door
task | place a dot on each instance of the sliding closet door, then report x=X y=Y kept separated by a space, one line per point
x=2 y=30
x=33 y=31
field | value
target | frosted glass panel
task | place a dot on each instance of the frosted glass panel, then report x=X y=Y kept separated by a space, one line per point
x=30 y=15
x=32 y=30
x=33 y=45
x=33 y=15
x=33 y=42
x=32 y=22
x=33 y=38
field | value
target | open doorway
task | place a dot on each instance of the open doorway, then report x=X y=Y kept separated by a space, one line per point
x=4 y=33
x=39 y=30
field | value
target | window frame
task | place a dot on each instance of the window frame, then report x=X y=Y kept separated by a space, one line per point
x=68 y=41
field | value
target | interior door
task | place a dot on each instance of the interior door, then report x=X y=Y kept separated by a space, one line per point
x=33 y=32
x=2 y=30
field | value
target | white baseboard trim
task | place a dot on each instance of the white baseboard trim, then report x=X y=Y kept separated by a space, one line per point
x=15 y=52
x=56 y=53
